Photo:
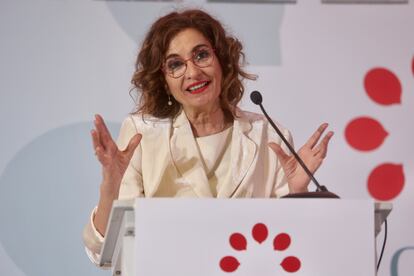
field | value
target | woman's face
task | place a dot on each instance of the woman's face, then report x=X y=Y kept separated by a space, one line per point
x=198 y=89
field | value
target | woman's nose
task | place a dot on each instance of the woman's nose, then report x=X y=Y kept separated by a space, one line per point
x=192 y=70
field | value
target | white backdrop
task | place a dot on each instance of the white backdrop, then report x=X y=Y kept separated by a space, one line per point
x=62 y=61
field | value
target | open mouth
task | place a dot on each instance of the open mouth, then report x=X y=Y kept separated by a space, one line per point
x=198 y=87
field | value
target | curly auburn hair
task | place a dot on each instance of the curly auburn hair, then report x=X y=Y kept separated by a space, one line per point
x=149 y=77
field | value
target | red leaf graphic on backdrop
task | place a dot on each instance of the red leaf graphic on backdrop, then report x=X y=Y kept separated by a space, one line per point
x=238 y=241
x=229 y=264
x=281 y=242
x=383 y=86
x=260 y=232
x=365 y=133
x=290 y=264
x=412 y=66
x=386 y=181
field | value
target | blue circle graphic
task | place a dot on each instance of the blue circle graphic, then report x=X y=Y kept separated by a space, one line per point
x=46 y=194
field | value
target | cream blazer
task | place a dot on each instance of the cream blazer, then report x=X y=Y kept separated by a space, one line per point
x=167 y=163
x=168 y=156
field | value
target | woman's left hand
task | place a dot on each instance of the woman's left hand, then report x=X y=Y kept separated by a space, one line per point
x=312 y=154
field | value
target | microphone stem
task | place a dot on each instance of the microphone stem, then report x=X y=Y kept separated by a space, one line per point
x=292 y=150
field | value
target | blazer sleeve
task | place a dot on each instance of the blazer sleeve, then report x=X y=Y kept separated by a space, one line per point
x=131 y=187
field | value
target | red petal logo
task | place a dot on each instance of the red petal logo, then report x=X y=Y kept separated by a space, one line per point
x=365 y=133
x=229 y=264
x=259 y=232
x=281 y=242
x=386 y=181
x=290 y=264
x=383 y=86
x=238 y=241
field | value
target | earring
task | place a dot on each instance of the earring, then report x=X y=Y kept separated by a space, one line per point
x=169 y=101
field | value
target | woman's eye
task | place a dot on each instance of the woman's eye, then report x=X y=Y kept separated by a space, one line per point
x=202 y=54
x=173 y=65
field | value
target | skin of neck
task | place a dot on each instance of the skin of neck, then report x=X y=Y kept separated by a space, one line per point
x=207 y=121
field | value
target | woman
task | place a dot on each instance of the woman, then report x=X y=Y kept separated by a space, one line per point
x=188 y=138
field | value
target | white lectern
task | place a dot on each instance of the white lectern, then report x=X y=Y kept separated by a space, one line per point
x=209 y=237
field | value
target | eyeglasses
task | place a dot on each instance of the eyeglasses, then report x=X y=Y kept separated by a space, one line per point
x=175 y=67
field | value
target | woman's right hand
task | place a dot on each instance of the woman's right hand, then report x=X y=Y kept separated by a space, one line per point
x=114 y=161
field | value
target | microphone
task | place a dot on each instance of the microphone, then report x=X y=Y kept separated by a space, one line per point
x=256 y=97
x=321 y=191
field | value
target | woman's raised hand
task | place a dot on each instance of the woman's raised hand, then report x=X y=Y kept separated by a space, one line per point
x=114 y=161
x=312 y=154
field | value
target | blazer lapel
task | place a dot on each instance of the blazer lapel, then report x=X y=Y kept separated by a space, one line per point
x=186 y=157
x=243 y=152
x=157 y=151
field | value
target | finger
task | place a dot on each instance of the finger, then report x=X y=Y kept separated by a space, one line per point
x=103 y=132
x=95 y=139
x=99 y=152
x=316 y=135
x=98 y=133
x=133 y=143
x=281 y=154
x=324 y=144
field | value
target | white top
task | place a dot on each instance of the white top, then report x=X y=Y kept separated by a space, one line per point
x=215 y=155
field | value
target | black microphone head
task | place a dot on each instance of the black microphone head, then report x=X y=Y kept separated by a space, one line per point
x=256 y=97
